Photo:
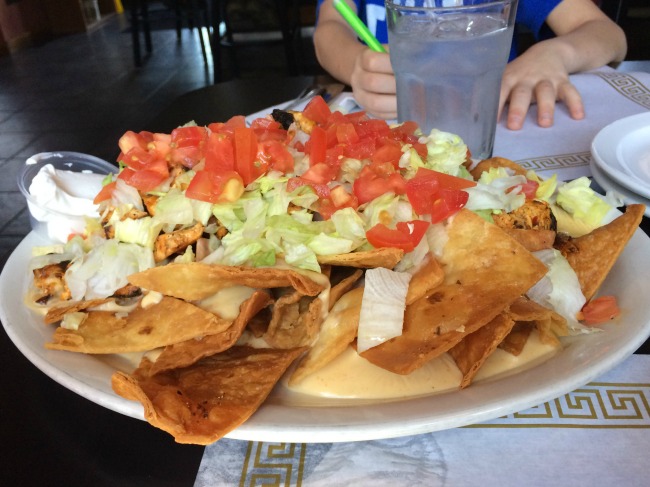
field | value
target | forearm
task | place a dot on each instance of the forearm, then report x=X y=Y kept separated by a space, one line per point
x=337 y=49
x=595 y=43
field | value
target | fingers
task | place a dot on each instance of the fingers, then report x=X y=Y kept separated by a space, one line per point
x=572 y=99
x=373 y=84
x=521 y=97
x=545 y=94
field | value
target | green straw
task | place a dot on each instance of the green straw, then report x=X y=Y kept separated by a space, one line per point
x=359 y=27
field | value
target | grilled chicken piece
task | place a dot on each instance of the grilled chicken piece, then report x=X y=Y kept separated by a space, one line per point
x=170 y=243
x=532 y=215
x=50 y=281
x=150 y=203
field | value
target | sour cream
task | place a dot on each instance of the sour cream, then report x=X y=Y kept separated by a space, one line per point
x=61 y=200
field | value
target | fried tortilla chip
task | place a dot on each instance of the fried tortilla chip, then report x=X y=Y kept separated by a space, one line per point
x=497 y=162
x=203 y=402
x=387 y=257
x=168 y=321
x=474 y=349
x=194 y=281
x=428 y=277
x=516 y=340
x=485 y=271
x=56 y=313
x=295 y=321
x=190 y=351
x=593 y=255
x=533 y=240
x=343 y=286
x=549 y=323
x=338 y=331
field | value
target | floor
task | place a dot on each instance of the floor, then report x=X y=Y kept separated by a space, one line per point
x=81 y=92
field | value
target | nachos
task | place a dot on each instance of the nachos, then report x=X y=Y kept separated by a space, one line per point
x=229 y=255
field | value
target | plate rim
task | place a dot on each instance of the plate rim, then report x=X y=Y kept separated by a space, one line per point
x=277 y=422
x=604 y=152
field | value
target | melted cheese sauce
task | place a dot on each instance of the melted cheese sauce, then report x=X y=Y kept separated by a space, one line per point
x=226 y=302
x=350 y=376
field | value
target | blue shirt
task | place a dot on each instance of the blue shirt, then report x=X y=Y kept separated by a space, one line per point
x=530 y=13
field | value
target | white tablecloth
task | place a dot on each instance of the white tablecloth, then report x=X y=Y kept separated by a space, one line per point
x=597 y=435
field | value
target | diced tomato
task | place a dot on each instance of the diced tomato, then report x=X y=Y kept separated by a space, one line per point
x=161 y=144
x=131 y=139
x=428 y=187
x=219 y=153
x=316 y=146
x=144 y=179
x=215 y=187
x=267 y=129
x=405 y=236
x=373 y=181
x=387 y=153
x=338 y=199
x=317 y=110
x=449 y=202
x=529 y=189
x=600 y=310
x=372 y=128
x=245 y=155
x=188 y=156
x=189 y=137
x=320 y=173
x=322 y=190
x=346 y=134
x=363 y=149
x=275 y=154
x=105 y=193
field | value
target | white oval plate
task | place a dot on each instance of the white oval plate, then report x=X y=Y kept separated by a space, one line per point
x=582 y=360
x=622 y=151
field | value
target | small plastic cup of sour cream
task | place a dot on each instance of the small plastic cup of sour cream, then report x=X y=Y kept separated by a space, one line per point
x=59 y=188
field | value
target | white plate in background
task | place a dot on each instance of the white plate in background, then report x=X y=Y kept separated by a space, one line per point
x=622 y=151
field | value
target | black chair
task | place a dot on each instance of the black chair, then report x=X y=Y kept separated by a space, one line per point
x=144 y=13
x=254 y=23
x=614 y=9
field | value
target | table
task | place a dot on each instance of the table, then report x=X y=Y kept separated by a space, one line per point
x=53 y=436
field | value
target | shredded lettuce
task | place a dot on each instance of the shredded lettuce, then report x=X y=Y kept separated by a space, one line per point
x=582 y=202
x=105 y=268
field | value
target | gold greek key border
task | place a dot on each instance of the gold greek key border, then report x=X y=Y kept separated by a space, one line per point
x=597 y=405
x=553 y=163
x=628 y=86
x=273 y=464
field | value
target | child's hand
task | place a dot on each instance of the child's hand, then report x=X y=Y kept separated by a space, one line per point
x=373 y=84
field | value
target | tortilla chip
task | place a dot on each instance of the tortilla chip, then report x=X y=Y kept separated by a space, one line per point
x=473 y=350
x=428 y=277
x=384 y=257
x=516 y=340
x=532 y=239
x=190 y=351
x=202 y=403
x=496 y=162
x=549 y=323
x=485 y=271
x=337 y=332
x=56 y=312
x=343 y=286
x=168 y=321
x=196 y=280
x=593 y=255
x=295 y=321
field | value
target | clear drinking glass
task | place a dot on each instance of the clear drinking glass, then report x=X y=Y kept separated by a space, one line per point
x=448 y=57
